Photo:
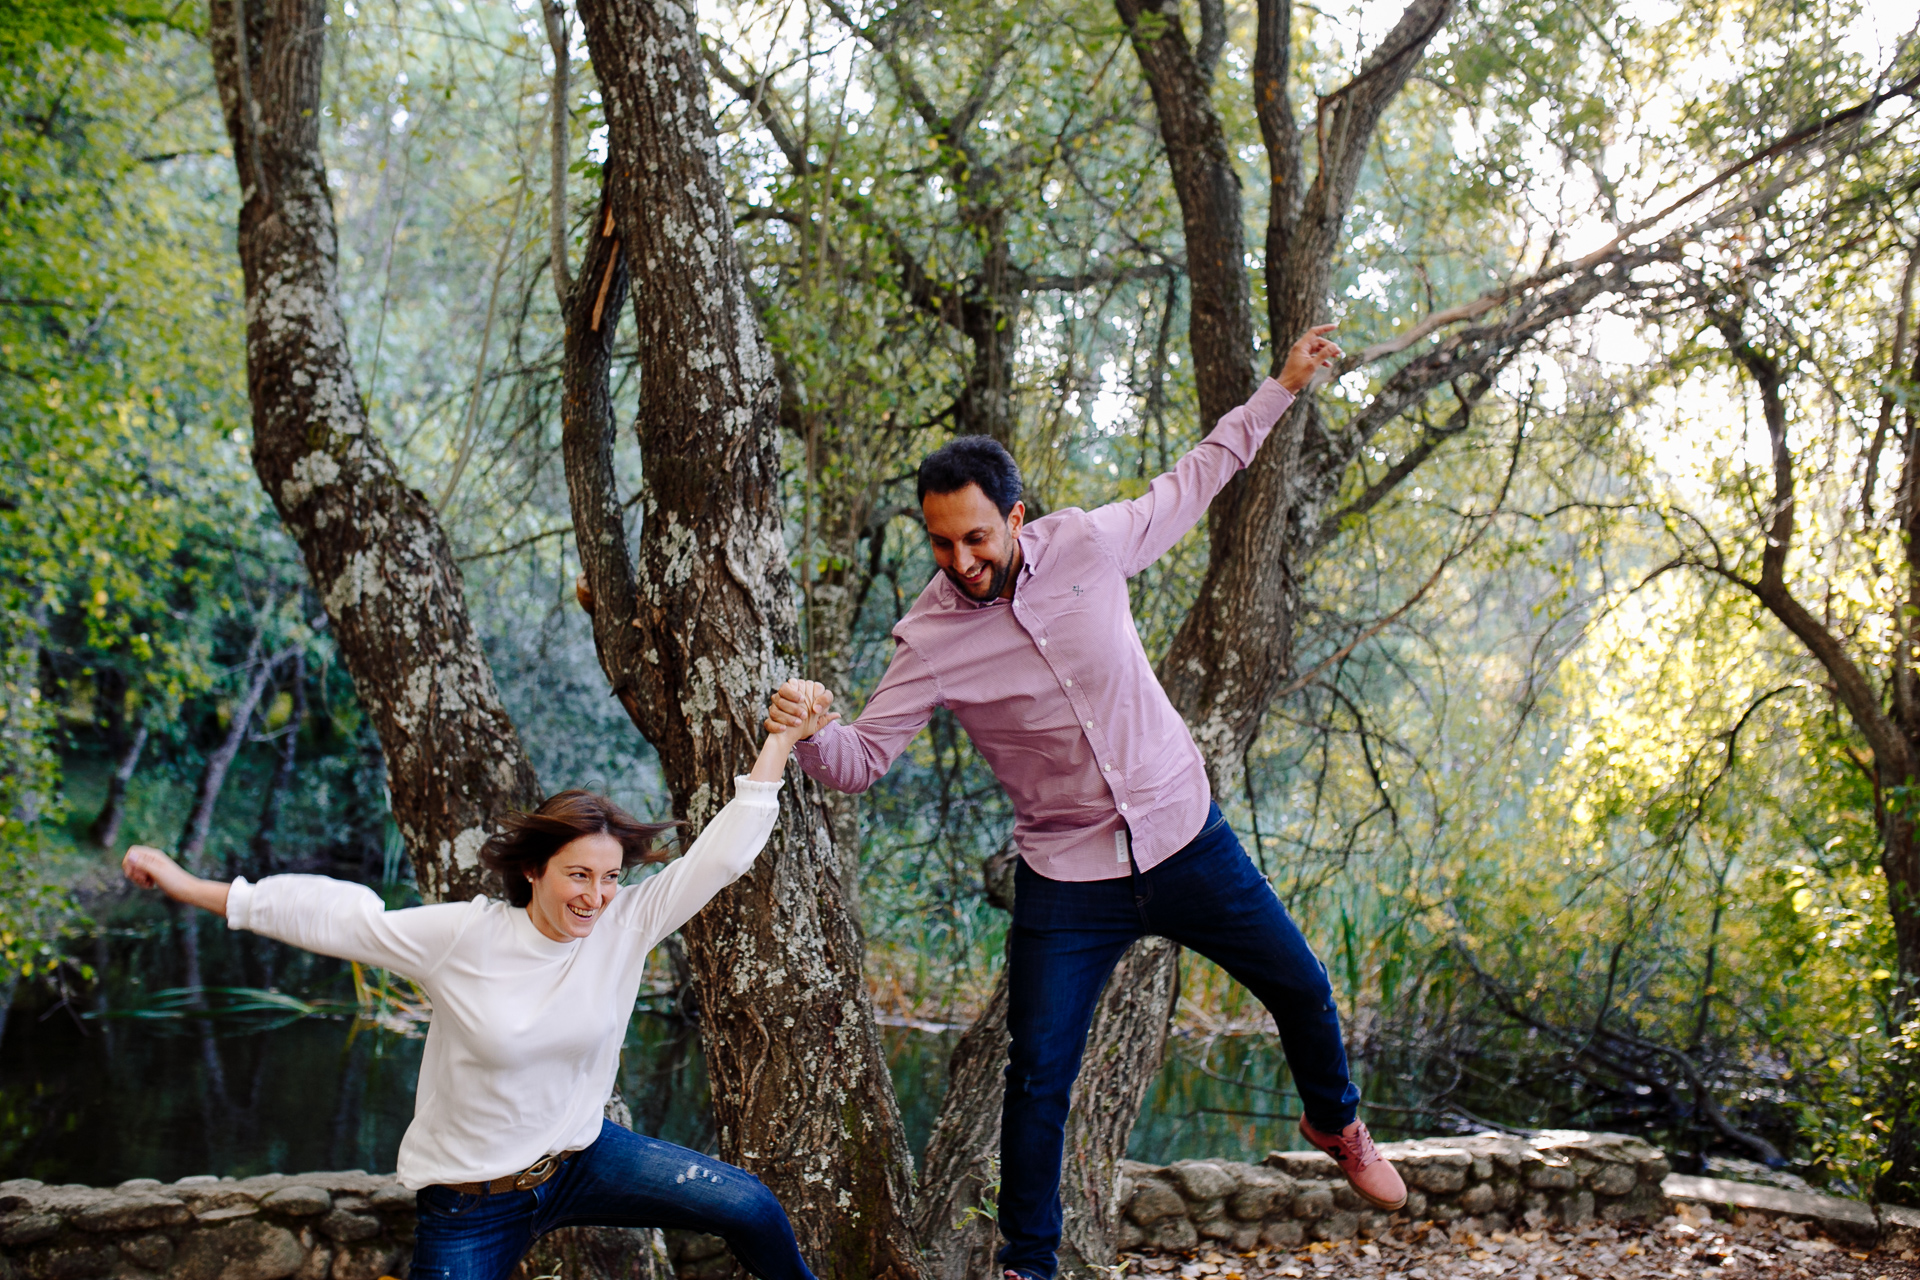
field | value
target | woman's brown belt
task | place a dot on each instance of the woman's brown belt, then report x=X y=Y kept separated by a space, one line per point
x=525 y=1180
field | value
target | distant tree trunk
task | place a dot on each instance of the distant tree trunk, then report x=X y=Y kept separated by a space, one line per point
x=374 y=549
x=283 y=770
x=105 y=830
x=213 y=776
x=696 y=640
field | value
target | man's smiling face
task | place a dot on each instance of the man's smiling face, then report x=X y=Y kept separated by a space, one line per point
x=974 y=545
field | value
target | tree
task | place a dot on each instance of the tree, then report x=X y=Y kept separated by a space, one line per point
x=374 y=549
x=696 y=637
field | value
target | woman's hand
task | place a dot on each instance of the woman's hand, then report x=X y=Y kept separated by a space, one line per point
x=151 y=869
x=1311 y=354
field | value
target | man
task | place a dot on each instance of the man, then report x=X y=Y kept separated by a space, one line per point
x=1027 y=636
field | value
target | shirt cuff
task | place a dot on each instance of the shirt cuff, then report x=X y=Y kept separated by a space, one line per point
x=1243 y=431
x=240 y=904
x=758 y=795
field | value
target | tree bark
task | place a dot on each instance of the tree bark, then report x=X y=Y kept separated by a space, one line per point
x=706 y=630
x=373 y=547
x=105 y=830
x=953 y=1216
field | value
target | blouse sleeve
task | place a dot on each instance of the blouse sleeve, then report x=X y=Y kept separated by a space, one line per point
x=335 y=918
x=723 y=853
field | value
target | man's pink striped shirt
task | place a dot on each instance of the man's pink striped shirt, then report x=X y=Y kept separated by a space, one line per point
x=1054 y=686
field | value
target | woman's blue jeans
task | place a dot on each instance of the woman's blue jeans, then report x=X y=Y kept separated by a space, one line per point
x=1065 y=941
x=622 y=1180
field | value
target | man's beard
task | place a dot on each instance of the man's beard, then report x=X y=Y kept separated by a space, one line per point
x=996 y=581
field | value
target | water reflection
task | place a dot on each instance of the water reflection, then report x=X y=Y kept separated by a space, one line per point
x=91 y=1094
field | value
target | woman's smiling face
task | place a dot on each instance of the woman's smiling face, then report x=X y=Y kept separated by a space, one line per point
x=575 y=886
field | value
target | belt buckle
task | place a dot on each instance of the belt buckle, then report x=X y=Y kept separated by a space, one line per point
x=535 y=1174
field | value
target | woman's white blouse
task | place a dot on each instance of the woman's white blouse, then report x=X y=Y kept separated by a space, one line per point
x=525 y=1037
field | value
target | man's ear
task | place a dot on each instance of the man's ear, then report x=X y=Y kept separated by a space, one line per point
x=1016 y=518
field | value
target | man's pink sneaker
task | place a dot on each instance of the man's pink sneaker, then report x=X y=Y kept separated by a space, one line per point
x=1376 y=1180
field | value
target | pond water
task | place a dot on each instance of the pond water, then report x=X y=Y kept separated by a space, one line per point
x=119 y=1082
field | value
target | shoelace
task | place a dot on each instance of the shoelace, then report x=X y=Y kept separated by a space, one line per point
x=1359 y=1147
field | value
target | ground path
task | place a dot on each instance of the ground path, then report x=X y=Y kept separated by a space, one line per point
x=1689 y=1245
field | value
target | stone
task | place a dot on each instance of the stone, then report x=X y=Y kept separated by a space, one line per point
x=153 y=1252
x=72 y=1261
x=1847 y=1218
x=1374 y=1223
x=1654 y=1168
x=1217 y=1227
x=1245 y=1236
x=138 y=1184
x=1282 y=1235
x=1343 y=1225
x=298 y=1201
x=1345 y=1197
x=1200 y=1180
x=1547 y=1177
x=1416 y=1203
x=698 y=1248
x=1576 y=1210
x=1613 y=1179
x=1130 y=1236
x=229 y=1213
x=318 y=1266
x=1476 y=1199
x=1153 y=1201
x=1506 y=1194
x=1441 y=1177
x=365 y=1262
x=1301 y=1164
x=351 y=1203
x=1644 y=1203
x=392 y=1196
x=21 y=1184
x=29 y=1227
x=200 y=1197
x=1256 y=1202
x=1175 y=1235
x=342 y=1227
x=252 y=1249
x=1312 y=1200
x=1482 y=1168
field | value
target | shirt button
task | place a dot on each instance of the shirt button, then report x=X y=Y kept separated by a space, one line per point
x=1043 y=642
x=1089 y=724
x=1123 y=806
x=1069 y=684
x=1106 y=768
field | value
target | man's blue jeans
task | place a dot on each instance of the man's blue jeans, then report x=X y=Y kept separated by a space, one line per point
x=1065 y=941
x=622 y=1180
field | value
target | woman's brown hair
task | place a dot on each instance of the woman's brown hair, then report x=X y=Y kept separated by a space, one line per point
x=522 y=849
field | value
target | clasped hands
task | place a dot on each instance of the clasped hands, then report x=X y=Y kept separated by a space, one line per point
x=800 y=709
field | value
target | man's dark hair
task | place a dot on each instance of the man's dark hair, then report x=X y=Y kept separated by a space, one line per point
x=972 y=460
x=529 y=840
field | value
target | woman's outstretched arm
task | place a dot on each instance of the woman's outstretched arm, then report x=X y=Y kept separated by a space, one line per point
x=151 y=869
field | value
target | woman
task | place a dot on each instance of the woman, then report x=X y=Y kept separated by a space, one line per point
x=531 y=999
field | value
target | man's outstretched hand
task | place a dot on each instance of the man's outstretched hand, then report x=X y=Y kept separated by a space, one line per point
x=1311 y=354
x=799 y=708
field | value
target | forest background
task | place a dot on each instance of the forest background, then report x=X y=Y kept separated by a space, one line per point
x=1581 y=756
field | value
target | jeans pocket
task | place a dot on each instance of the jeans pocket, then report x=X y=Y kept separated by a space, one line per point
x=444 y=1202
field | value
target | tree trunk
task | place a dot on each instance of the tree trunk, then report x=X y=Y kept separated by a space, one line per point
x=707 y=630
x=105 y=830
x=959 y=1174
x=213 y=777
x=267 y=835
x=374 y=549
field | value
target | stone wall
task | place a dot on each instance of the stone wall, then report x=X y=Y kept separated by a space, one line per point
x=1562 y=1178
x=316 y=1226
x=356 y=1226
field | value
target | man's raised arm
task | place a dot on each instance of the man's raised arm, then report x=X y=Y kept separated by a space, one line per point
x=1140 y=530
x=852 y=757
